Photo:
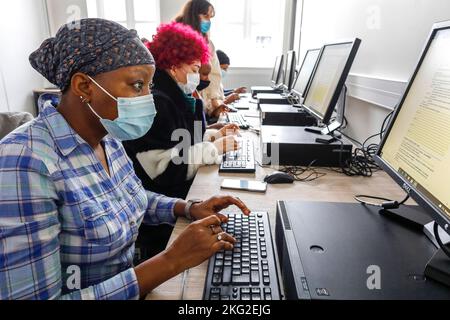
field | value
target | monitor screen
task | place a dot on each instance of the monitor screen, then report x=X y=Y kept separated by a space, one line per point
x=306 y=71
x=416 y=148
x=278 y=74
x=329 y=78
x=276 y=70
x=289 y=74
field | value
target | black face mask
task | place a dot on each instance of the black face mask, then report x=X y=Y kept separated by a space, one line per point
x=203 y=85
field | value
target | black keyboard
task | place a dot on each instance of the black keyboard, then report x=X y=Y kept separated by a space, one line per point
x=248 y=272
x=240 y=161
x=238 y=119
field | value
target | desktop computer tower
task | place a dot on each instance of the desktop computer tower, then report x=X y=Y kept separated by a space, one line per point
x=286 y=115
x=347 y=251
x=271 y=98
x=293 y=146
x=262 y=89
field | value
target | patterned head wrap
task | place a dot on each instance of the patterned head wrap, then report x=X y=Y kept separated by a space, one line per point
x=90 y=46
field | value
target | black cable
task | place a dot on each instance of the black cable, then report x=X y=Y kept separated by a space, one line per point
x=297 y=172
x=439 y=240
x=362 y=162
x=386 y=204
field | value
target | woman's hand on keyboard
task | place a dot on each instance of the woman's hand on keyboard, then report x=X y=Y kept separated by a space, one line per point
x=231 y=129
x=227 y=144
x=215 y=205
x=197 y=243
x=232 y=98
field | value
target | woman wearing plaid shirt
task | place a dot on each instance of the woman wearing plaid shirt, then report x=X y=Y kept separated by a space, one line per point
x=70 y=202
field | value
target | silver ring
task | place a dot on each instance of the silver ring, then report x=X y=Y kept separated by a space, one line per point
x=219 y=238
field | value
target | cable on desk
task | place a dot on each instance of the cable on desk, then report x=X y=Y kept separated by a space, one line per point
x=362 y=161
x=298 y=173
x=386 y=204
x=439 y=240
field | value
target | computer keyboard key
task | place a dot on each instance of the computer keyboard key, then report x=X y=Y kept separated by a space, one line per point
x=245 y=291
x=215 y=297
x=266 y=281
x=268 y=297
x=256 y=290
x=216 y=291
x=246 y=297
x=225 y=298
x=217 y=280
x=243 y=279
x=227 y=273
x=255 y=277
x=256 y=297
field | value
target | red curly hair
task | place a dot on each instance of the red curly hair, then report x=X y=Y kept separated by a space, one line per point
x=175 y=44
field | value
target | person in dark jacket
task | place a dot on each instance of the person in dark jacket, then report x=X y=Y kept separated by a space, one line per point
x=168 y=157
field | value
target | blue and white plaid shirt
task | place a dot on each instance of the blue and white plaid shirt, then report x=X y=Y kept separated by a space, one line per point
x=67 y=229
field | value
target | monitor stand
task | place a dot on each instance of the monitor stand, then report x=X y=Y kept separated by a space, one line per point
x=438 y=268
x=338 y=123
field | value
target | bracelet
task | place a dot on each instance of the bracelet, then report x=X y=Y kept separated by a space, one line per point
x=187 y=209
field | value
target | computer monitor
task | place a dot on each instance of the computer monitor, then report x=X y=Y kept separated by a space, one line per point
x=306 y=72
x=330 y=74
x=277 y=75
x=290 y=72
x=415 y=150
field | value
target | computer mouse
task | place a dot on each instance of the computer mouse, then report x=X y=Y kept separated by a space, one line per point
x=279 y=178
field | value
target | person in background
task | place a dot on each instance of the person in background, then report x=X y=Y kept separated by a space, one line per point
x=69 y=197
x=233 y=94
x=205 y=70
x=198 y=15
x=167 y=157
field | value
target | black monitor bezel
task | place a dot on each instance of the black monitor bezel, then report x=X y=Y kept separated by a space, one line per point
x=274 y=71
x=409 y=188
x=291 y=76
x=280 y=68
x=325 y=119
x=303 y=94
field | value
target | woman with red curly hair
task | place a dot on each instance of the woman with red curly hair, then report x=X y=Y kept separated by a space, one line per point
x=167 y=165
x=168 y=157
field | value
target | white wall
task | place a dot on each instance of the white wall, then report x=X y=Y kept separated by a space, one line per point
x=64 y=11
x=170 y=9
x=393 y=33
x=4 y=107
x=22 y=29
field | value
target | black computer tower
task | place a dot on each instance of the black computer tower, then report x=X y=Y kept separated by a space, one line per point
x=293 y=146
x=286 y=115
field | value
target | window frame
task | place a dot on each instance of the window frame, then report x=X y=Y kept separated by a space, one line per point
x=130 y=13
x=249 y=25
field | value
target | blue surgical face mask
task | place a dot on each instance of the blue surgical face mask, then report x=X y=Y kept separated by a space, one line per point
x=224 y=74
x=136 y=116
x=193 y=80
x=205 y=26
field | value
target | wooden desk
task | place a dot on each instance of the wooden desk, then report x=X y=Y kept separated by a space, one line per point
x=334 y=187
